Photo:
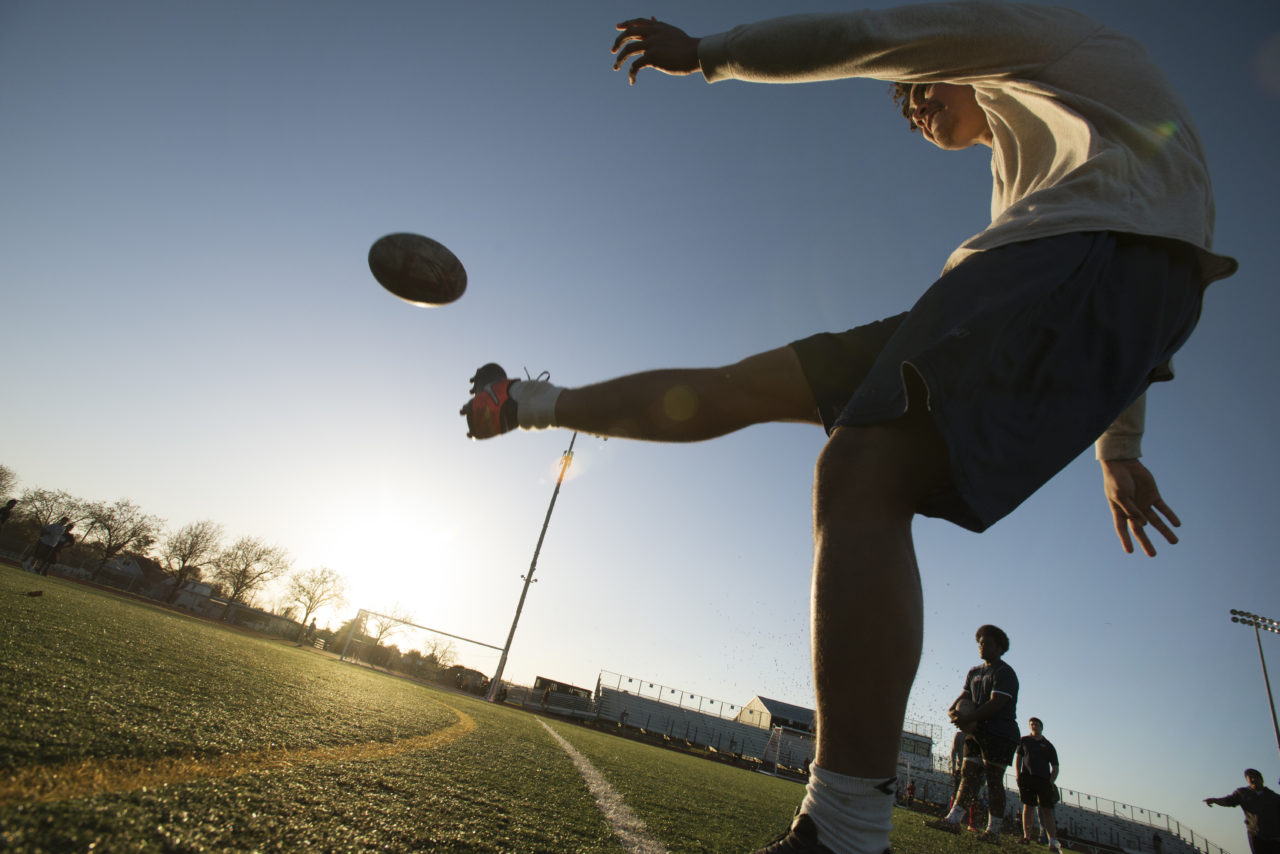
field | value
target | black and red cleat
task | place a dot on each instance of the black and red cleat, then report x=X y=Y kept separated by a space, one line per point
x=491 y=411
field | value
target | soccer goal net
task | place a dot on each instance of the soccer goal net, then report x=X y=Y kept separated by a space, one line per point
x=398 y=645
x=788 y=749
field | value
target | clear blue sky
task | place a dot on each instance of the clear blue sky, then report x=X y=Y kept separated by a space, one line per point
x=188 y=195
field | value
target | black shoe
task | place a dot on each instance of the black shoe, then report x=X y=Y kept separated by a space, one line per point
x=800 y=838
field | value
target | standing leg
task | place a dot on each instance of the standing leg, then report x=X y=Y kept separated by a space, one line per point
x=995 y=796
x=868 y=617
x=1050 y=824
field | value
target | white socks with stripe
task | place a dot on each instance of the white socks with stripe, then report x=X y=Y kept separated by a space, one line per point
x=535 y=403
x=852 y=814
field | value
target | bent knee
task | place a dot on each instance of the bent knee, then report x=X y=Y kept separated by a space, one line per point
x=891 y=467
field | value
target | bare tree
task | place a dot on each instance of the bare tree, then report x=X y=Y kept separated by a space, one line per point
x=312 y=589
x=440 y=651
x=119 y=526
x=186 y=551
x=246 y=566
x=8 y=480
x=383 y=627
x=50 y=505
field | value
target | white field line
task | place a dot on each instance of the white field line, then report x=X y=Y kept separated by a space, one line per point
x=629 y=829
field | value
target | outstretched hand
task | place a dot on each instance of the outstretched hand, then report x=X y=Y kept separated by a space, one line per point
x=1135 y=503
x=657 y=45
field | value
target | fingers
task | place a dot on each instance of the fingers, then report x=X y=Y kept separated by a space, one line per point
x=630 y=41
x=1154 y=515
x=626 y=53
x=1140 y=532
x=1165 y=531
x=628 y=50
x=1167 y=512
x=1121 y=522
x=631 y=31
x=1130 y=519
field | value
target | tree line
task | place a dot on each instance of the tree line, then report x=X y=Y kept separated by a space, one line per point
x=238 y=571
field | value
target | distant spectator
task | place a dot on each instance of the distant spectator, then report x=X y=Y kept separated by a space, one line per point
x=1261 y=812
x=1036 y=763
x=49 y=537
x=307 y=635
x=6 y=511
x=911 y=792
x=55 y=554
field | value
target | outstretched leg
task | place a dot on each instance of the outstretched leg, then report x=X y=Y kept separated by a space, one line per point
x=670 y=405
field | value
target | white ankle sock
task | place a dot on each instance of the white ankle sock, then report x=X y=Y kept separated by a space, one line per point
x=993 y=825
x=535 y=403
x=853 y=814
x=956 y=815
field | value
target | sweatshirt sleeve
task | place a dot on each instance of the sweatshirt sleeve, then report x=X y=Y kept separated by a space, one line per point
x=928 y=42
x=1123 y=439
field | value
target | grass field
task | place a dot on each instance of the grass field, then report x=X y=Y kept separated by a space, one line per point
x=127 y=727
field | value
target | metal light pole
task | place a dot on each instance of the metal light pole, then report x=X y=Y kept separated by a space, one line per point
x=496 y=684
x=1261 y=624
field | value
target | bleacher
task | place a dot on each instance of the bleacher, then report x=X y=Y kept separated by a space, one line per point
x=656 y=717
x=1090 y=823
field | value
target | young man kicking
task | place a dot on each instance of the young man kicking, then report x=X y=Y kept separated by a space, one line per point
x=1042 y=334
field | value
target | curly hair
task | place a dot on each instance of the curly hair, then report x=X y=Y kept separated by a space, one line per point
x=901 y=94
x=995 y=633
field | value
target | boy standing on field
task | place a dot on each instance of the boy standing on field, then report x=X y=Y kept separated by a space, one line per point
x=992 y=732
x=1036 y=761
x=1041 y=336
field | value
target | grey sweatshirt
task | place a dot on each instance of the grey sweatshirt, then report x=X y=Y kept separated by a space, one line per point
x=1088 y=134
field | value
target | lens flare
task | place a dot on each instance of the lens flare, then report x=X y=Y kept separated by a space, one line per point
x=1266 y=65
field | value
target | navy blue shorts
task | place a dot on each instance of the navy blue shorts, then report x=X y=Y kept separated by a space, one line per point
x=1028 y=351
x=1036 y=791
x=994 y=751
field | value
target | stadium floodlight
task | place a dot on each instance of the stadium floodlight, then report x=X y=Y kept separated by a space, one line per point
x=495 y=685
x=1259 y=625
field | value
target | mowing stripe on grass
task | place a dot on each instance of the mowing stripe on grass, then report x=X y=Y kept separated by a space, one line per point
x=629 y=829
x=108 y=776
